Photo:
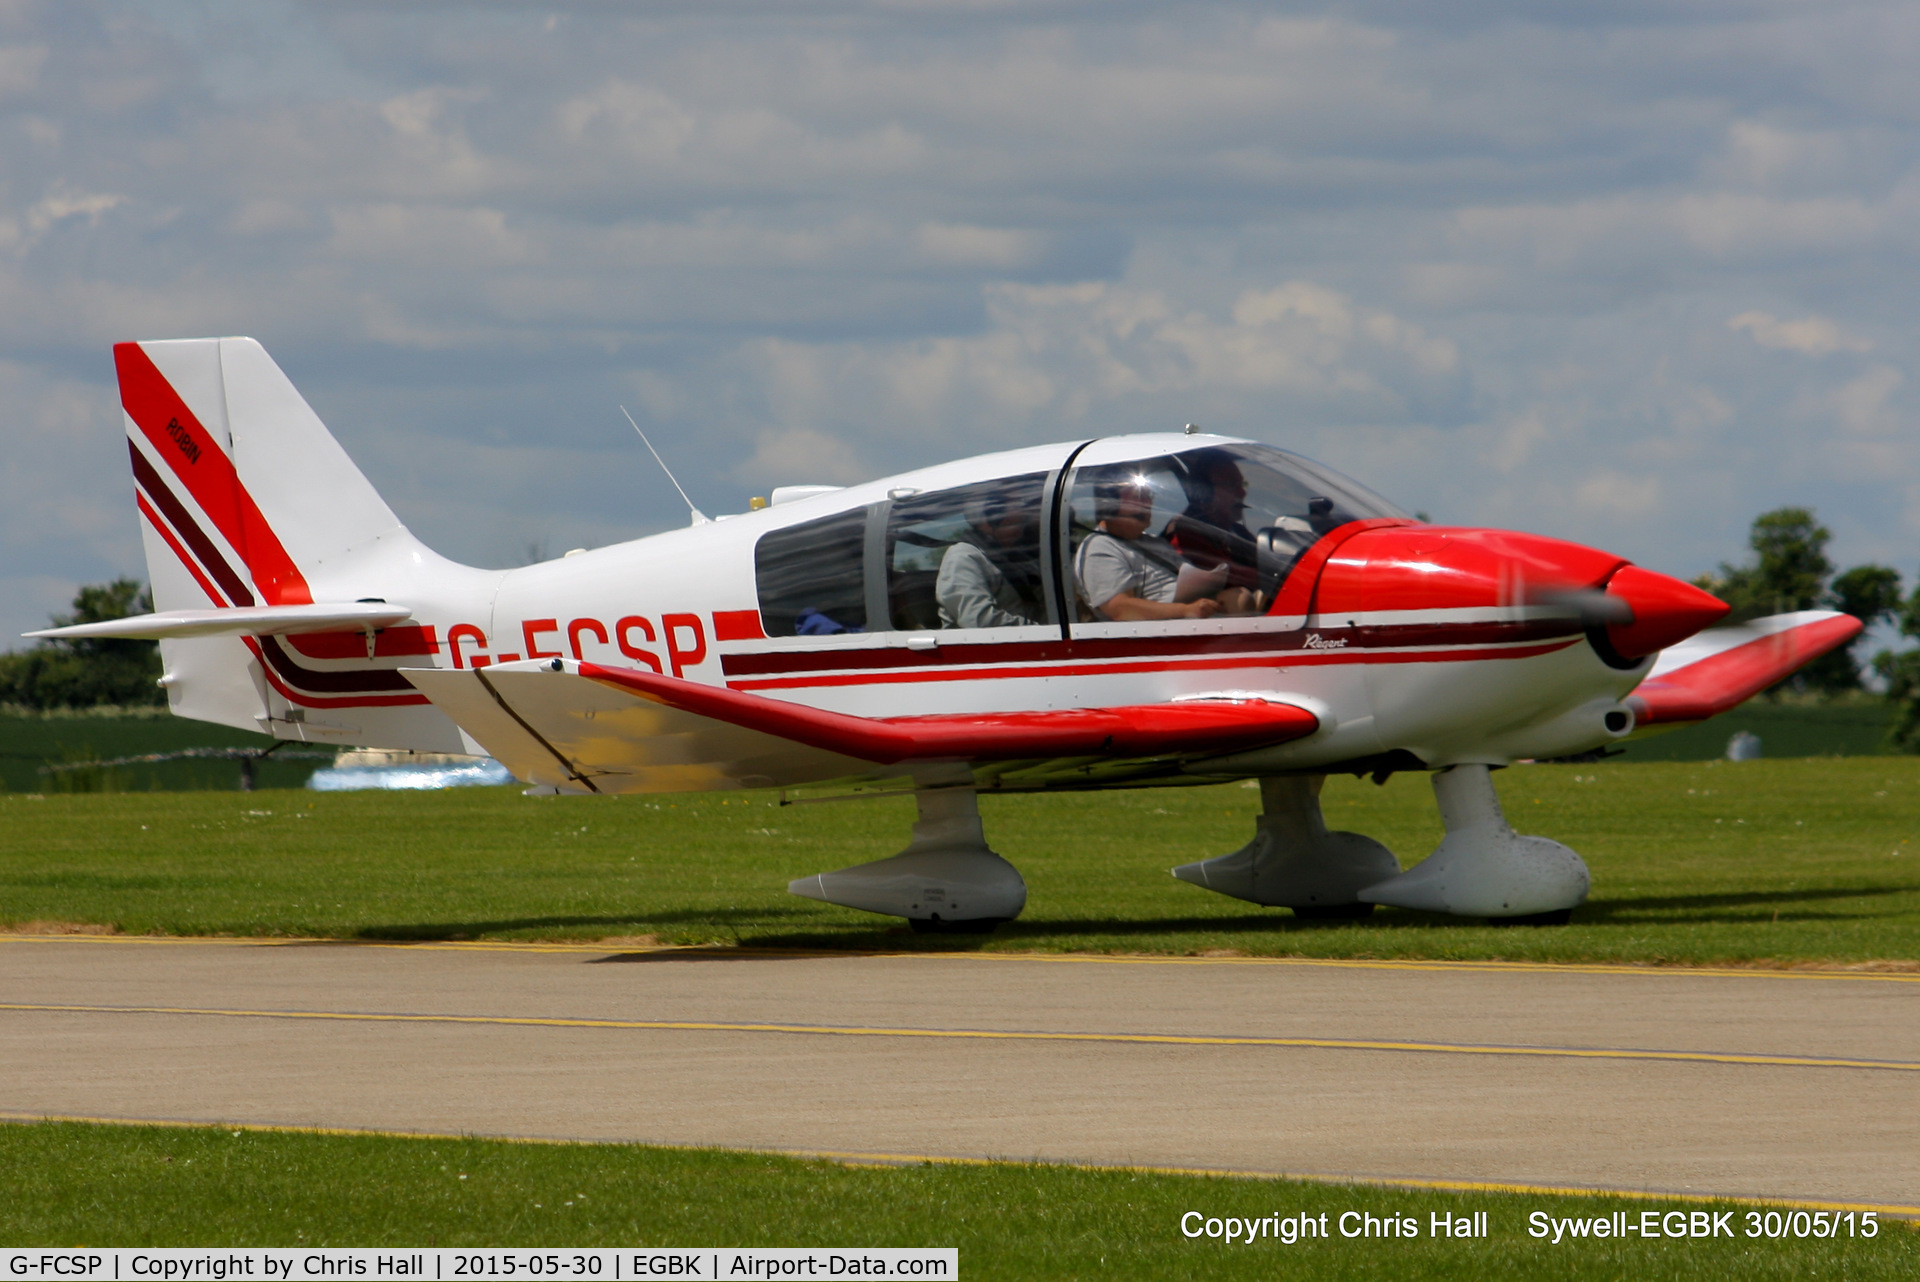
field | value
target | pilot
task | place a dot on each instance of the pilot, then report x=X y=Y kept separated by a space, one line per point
x=1125 y=573
x=982 y=576
x=1211 y=532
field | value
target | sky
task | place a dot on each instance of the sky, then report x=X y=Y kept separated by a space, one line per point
x=1624 y=273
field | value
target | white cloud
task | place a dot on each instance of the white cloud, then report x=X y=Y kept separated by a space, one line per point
x=1810 y=336
x=1060 y=360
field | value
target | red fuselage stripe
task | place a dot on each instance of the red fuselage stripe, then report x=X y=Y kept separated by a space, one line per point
x=1102 y=669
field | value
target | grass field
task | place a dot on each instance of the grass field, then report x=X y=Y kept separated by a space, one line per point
x=149 y=1186
x=1770 y=862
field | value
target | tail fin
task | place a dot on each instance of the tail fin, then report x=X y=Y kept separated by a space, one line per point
x=247 y=500
x=243 y=471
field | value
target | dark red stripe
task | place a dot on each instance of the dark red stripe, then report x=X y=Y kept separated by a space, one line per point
x=182 y=521
x=315 y=701
x=1372 y=637
x=173 y=541
x=353 y=680
x=1301 y=660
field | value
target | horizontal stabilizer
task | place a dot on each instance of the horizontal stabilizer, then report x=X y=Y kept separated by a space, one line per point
x=1720 y=668
x=249 y=621
x=598 y=728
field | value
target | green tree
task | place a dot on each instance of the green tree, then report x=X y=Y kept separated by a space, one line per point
x=1871 y=594
x=89 y=672
x=1790 y=571
x=1901 y=671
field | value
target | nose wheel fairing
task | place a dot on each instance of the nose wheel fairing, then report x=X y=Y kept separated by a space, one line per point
x=1482 y=868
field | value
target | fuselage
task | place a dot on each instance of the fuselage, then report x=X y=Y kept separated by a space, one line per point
x=1413 y=644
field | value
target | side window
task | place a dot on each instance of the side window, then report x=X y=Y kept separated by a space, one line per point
x=967 y=557
x=810 y=579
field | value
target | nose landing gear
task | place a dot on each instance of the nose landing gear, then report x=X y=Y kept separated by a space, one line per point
x=1483 y=868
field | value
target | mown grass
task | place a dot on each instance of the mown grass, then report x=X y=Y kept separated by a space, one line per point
x=71 y=1183
x=1804 y=861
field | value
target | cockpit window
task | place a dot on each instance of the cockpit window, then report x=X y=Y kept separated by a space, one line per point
x=967 y=557
x=810 y=577
x=1207 y=531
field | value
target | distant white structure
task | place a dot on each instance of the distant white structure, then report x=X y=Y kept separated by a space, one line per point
x=417 y=771
x=1744 y=746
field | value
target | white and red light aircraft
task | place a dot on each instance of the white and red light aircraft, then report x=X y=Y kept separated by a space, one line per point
x=950 y=631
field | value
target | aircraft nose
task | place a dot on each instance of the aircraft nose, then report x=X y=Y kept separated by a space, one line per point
x=1664 y=611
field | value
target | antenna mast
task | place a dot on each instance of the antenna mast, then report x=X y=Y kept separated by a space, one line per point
x=699 y=517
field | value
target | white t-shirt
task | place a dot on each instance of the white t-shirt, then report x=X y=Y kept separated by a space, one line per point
x=1146 y=567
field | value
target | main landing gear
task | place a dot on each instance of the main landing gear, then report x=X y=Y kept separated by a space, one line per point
x=1481 y=869
x=945 y=880
x=948 y=880
x=1293 y=861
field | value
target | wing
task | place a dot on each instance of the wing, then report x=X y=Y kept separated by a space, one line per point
x=246 y=620
x=1714 y=670
x=606 y=729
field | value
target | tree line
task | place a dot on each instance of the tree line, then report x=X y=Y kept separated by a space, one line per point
x=88 y=673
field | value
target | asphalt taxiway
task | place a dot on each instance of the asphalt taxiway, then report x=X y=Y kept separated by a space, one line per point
x=1797 y=1085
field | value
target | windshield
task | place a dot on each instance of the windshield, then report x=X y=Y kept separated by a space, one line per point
x=1219 y=522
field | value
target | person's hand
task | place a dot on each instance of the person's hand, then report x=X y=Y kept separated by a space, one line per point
x=1239 y=601
x=1205 y=608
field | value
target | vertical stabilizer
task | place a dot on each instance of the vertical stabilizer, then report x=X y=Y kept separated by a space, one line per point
x=244 y=453
x=246 y=499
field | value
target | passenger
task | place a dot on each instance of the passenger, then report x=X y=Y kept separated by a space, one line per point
x=1127 y=574
x=985 y=581
x=1211 y=534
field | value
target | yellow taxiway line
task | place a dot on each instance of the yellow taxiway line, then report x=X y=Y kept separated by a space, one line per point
x=933 y=1159
x=748 y=952
x=986 y=1034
